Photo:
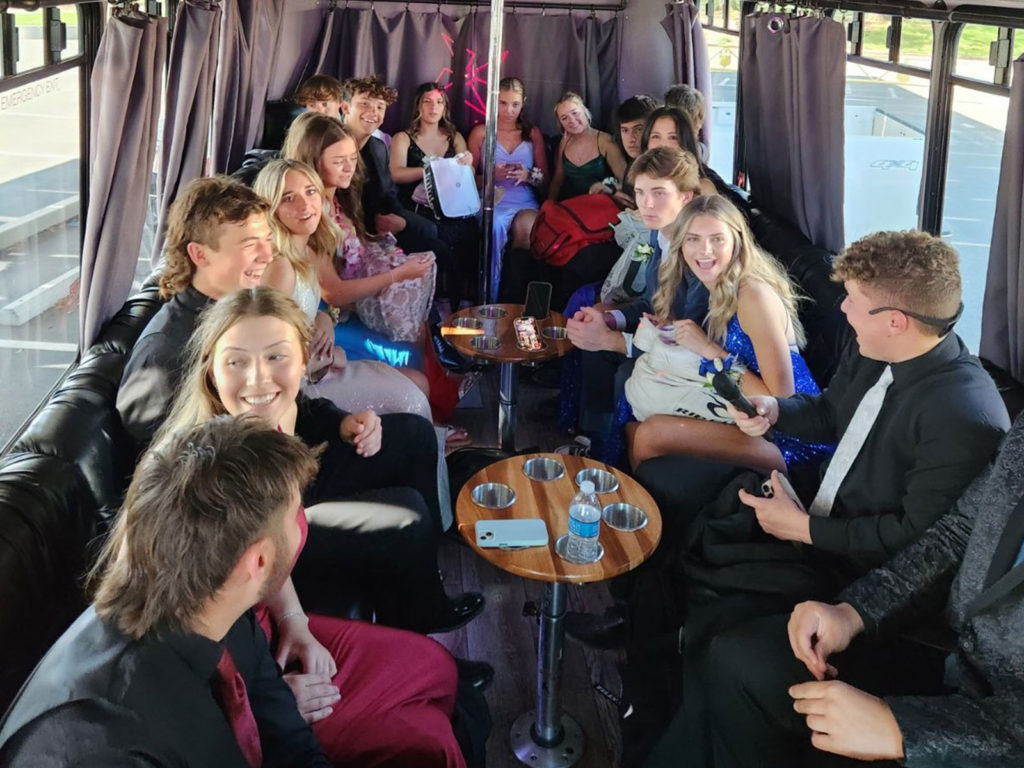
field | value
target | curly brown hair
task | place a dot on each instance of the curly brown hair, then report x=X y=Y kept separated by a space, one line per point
x=195 y=217
x=370 y=86
x=319 y=88
x=911 y=270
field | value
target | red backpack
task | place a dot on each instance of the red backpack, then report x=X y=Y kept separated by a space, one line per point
x=562 y=229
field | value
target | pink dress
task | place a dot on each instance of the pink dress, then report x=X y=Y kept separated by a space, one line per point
x=400 y=310
x=397 y=693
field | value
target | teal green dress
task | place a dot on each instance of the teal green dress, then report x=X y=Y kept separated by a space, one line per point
x=578 y=179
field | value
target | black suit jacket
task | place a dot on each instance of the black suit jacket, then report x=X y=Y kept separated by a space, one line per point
x=939 y=426
x=971 y=548
x=99 y=698
x=380 y=195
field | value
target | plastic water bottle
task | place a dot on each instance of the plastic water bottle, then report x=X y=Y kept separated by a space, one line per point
x=584 y=526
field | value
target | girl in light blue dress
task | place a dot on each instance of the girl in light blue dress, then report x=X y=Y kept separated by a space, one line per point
x=520 y=174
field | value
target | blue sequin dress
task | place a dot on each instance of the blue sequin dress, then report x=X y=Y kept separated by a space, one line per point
x=793 y=450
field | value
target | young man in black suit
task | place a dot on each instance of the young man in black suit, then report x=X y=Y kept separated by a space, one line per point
x=807 y=694
x=169 y=667
x=364 y=102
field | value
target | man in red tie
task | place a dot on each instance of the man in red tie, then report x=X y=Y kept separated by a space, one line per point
x=168 y=667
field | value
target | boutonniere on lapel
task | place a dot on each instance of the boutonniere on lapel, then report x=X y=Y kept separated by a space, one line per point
x=643 y=252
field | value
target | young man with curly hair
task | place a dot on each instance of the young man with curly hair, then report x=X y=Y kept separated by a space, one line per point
x=364 y=102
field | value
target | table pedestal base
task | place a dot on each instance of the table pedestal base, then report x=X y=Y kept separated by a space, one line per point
x=567 y=751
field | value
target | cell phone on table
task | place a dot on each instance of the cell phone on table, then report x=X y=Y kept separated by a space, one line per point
x=511 y=534
x=538 y=300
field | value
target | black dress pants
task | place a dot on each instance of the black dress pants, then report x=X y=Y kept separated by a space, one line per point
x=383 y=546
x=602 y=380
x=742 y=679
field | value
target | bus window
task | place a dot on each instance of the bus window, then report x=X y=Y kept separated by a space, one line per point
x=876 y=36
x=723 y=53
x=975 y=154
x=39 y=240
x=733 y=19
x=885 y=123
x=974 y=45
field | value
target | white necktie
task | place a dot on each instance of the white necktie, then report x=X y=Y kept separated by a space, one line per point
x=850 y=444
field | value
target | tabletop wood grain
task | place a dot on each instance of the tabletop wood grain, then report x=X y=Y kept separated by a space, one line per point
x=508 y=352
x=549 y=501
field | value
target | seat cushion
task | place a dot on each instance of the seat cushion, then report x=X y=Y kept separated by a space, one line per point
x=46 y=524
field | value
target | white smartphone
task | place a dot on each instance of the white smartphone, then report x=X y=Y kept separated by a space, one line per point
x=767 y=491
x=511 y=534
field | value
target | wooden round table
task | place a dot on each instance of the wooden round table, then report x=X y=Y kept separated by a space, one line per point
x=507 y=353
x=546 y=737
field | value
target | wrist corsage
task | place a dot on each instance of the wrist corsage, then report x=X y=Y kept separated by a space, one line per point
x=536 y=176
x=710 y=366
x=611 y=182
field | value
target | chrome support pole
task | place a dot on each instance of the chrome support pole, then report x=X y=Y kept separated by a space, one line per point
x=489 y=292
x=508 y=389
x=547 y=738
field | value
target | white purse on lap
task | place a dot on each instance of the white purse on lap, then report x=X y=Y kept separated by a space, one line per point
x=451 y=187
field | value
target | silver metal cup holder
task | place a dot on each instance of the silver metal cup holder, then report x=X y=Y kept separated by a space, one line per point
x=624 y=517
x=493 y=495
x=486 y=343
x=543 y=469
x=604 y=482
x=555 y=333
x=491 y=312
x=475 y=323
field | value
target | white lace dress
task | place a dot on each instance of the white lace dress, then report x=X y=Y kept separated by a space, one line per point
x=362 y=385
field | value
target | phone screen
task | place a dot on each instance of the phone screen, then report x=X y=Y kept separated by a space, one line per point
x=538 y=300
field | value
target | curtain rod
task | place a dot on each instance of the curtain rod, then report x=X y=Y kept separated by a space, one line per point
x=966 y=13
x=514 y=4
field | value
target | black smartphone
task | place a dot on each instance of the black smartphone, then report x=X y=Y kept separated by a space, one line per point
x=538 y=300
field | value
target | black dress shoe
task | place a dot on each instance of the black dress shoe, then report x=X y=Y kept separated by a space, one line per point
x=604 y=632
x=477 y=673
x=463 y=609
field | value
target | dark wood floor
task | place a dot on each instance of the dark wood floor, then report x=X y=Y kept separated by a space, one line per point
x=505 y=637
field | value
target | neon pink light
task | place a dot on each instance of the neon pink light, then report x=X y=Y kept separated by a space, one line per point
x=475 y=77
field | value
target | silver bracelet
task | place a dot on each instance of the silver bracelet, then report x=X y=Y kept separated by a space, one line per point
x=291 y=615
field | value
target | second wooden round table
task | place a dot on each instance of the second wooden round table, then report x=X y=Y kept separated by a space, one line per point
x=546 y=737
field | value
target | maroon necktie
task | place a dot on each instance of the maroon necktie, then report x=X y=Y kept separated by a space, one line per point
x=236 y=706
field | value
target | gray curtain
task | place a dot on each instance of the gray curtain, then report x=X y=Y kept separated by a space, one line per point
x=406 y=49
x=1002 y=319
x=246 y=60
x=125 y=110
x=792 y=80
x=413 y=47
x=690 y=54
x=585 y=60
x=186 y=131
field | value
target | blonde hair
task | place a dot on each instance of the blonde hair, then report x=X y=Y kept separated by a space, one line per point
x=572 y=97
x=307 y=138
x=197 y=399
x=749 y=262
x=269 y=185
